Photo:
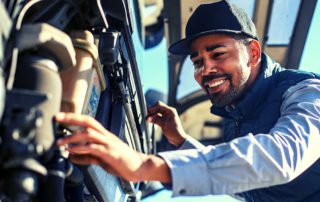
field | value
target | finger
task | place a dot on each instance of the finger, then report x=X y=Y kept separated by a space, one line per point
x=159 y=107
x=107 y=154
x=79 y=120
x=80 y=137
x=85 y=159
x=95 y=150
x=156 y=119
x=91 y=160
x=88 y=159
x=73 y=135
x=156 y=104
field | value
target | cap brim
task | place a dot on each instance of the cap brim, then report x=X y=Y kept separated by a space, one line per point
x=182 y=47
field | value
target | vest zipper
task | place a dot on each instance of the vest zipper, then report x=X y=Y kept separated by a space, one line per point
x=237 y=128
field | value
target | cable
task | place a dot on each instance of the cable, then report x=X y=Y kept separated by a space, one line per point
x=102 y=14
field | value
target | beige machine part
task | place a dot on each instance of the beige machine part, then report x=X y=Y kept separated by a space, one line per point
x=50 y=38
x=77 y=80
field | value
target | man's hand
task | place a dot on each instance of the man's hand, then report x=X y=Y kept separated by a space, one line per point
x=95 y=145
x=167 y=118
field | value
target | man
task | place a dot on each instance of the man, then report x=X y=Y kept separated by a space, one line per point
x=271 y=126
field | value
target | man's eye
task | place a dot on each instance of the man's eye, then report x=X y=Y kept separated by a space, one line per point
x=218 y=54
x=197 y=63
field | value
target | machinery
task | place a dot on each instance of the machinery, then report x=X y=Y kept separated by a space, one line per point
x=73 y=56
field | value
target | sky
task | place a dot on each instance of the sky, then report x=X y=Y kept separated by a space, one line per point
x=311 y=52
x=155 y=68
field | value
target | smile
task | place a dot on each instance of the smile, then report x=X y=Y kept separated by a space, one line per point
x=216 y=83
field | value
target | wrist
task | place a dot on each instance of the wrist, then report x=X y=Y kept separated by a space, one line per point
x=179 y=140
x=154 y=168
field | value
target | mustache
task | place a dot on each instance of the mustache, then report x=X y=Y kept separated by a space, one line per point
x=214 y=76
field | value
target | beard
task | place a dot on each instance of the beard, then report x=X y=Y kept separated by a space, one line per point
x=234 y=92
x=224 y=99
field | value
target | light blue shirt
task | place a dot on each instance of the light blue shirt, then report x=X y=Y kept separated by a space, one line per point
x=255 y=160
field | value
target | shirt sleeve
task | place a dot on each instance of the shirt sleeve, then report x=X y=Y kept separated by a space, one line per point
x=191 y=143
x=255 y=161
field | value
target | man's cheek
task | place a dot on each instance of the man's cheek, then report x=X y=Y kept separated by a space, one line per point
x=198 y=78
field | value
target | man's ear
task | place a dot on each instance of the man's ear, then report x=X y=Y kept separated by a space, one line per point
x=255 y=53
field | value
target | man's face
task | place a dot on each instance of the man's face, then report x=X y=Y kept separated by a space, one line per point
x=221 y=67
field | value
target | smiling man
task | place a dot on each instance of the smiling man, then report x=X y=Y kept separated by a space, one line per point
x=271 y=121
x=222 y=66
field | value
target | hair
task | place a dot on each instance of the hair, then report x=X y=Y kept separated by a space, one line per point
x=243 y=38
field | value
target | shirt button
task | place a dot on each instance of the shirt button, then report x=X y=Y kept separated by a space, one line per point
x=182 y=191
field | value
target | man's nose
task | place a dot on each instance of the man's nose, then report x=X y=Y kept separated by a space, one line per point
x=209 y=67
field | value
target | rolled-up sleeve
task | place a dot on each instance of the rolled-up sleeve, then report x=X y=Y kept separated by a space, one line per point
x=254 y=161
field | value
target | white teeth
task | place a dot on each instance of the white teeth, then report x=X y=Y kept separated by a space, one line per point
x=217 y=83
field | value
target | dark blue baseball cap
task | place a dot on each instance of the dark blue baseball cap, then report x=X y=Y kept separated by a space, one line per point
x=218 y=17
